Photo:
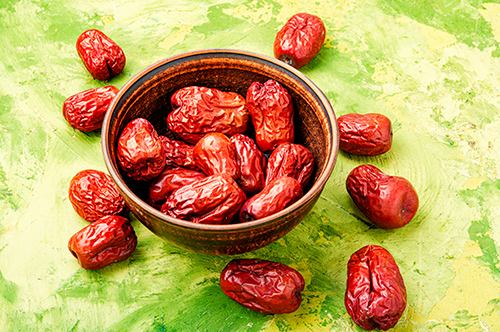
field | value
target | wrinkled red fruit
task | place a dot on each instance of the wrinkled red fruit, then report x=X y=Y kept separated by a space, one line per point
x=93 y=195
x=251 y=163
x=300 y=39
x=212 y=200
x=110 y=239
x=292 y=160
x=263 y=286
x=85 y=110
x=140 y=152
x=178 y=152
x=387 y=201
x=277 y=195
x=376 y=295
x=215 y=154
x=172 y=177
x=365 y=134
x=200 y=110
x=271 y=109
x=102 y=57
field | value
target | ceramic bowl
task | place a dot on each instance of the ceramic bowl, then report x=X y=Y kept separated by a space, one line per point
x=148 y=94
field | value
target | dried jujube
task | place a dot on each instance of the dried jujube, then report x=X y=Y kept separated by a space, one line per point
x=263 y=286
x=93 y=195
x=140 y=151
x=375 y=296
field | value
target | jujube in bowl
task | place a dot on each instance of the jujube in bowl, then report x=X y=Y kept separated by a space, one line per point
x=147 y=95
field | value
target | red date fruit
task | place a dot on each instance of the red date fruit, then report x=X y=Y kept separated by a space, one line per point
x=387 y=201
x=271 y=110
x=200 y=110
x=172 y=177
x=300 y=39
x=263 y=286
x=277 y=195
x=178 y=152
x=215 y=154
x=365 y=134
x=376 y=295
x=93 y=195
x=108 y=240
x=292 y=160
x=140 y=152
x=85 y=110
x=251 y=163
x=101 y=56
x=212 y=200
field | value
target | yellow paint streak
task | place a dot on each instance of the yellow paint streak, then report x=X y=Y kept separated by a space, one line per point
x=303 y=269
x=383 y=73
x=322 y=238
x=473 y=288
x=282 y=242
x=492 y=15
x=305 y=316
x=342 y=48
x=108 y=19
x=436 y=39
x=253 y=12
x=329 y=39
x=179 y=32
x=335 y=12
x=473 y=183
x=396 y=103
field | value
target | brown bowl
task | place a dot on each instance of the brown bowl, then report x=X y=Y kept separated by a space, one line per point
x=148 y=94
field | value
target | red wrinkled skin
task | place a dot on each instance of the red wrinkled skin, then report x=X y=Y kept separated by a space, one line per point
x=271 y=110
x=172 y=177
x=387 y=201
x=263 y=286
x=102 y=57
x=365 y=134
x=178 y=152
x=200 y=110
x=251 y=163
x=212 y=200
x=300 y=39
x=85 y=110
x=292 y=160
x=215 y=154
x=110 y=239
x=376 y=295
x=277 y=195
x=93 y=195
x=140 y=152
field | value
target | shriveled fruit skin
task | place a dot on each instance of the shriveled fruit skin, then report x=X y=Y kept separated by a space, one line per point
x=300 y=39
x=198 y=111
x=108 y=240
x=212 y=200
x=387 y=201
x=263 y=286
x=271 y=110
x=102 y=57
x=365 y=134
x=140 y=152
x=375 y=295
x=93 y=195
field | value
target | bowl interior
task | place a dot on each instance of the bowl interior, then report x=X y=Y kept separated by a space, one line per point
x=148 y=95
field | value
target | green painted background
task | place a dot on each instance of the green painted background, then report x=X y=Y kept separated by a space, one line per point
x=433 y=67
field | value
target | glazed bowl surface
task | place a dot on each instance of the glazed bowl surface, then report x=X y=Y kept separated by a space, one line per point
x=147 y=95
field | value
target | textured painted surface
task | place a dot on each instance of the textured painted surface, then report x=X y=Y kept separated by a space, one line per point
x=433 y=67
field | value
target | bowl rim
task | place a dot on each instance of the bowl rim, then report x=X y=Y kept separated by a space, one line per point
x=309 y=195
